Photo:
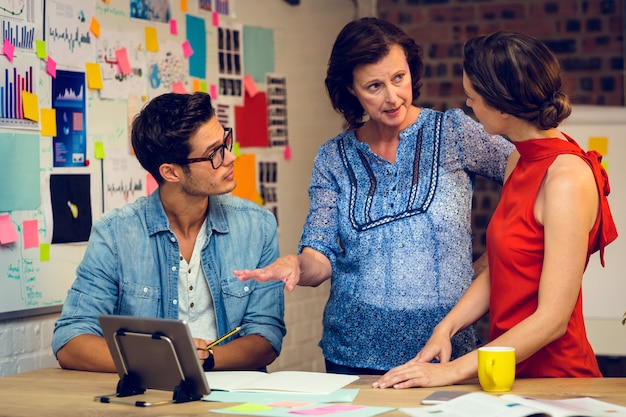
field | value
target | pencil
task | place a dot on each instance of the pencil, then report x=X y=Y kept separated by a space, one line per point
x=226 y=336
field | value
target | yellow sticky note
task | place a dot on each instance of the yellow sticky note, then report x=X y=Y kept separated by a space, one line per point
x=31 y=106
x=44 y=252
x=248 y=408
x=99 y=150
x=95 y=27
x=40 y=49
x=152 y=43
x=48 y=122
x=94 y=75
x=598 y=143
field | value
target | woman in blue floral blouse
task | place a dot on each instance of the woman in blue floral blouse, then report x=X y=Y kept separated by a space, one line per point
x=390 y=206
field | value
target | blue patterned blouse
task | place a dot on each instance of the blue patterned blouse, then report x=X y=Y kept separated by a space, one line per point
x=398 y=235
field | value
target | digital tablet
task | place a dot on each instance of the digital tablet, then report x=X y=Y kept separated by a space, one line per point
x=154 y=353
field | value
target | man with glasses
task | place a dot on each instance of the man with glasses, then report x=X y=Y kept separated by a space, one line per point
x=172 y=254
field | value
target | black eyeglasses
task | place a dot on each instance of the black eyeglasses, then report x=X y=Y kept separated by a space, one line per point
x=217 y=156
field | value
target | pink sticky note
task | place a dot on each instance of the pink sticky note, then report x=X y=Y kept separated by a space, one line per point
x=8 y=49
x=30 y=230
x=213 y=91
x=8 y=234
x=173 y=27
x=250 y=85
x=289 y=404
x=179 y=88
x=122 y=60
x=327 y=409
x=151 y=184
x=51 y=67
x=216 y=19
x=187 y=51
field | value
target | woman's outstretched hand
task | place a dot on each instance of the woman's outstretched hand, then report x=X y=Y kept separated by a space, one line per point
x=285 y=269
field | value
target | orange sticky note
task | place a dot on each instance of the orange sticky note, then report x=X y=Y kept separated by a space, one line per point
x=245 y=171
x=122 y=60
x=183 y=6
x=48 y=122
x=8 y=233
x=95 y=27
x=152 y=42
x=196 y=85
x=94 y=75
x=30 y=231
x=31 y=106
x=599 y=144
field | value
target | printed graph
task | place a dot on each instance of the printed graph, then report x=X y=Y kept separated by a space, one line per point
x=13 y=8
x=20 y=22
x=13 y=80
x=21 y=36
x=72 y=40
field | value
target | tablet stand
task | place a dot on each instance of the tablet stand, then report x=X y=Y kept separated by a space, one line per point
x=134 y=349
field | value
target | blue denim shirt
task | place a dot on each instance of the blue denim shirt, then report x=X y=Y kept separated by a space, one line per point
x=130 y=267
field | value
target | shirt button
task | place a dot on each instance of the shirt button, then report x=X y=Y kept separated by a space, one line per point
x=189 y=271
x=173 y=239
x=246 y=289
x=191 y=305
x=145 y=289
x=175 y=302
x=181 y=258
x=191 y=288
x=173 y=268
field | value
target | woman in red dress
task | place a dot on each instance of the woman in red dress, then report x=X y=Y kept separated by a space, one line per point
x=553 y=214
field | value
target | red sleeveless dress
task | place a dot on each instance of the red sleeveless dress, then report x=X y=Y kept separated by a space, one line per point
x=515 y=248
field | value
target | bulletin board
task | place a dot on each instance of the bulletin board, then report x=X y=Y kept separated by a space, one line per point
x=73 y=74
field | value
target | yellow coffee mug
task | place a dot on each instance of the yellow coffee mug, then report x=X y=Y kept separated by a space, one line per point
x=496 y=368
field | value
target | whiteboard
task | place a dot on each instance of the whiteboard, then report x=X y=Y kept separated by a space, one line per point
x=604 y=289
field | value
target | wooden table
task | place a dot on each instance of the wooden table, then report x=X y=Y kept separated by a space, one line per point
x=58 y=392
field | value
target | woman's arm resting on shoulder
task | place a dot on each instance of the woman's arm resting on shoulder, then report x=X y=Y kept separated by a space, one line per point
x=308 y=269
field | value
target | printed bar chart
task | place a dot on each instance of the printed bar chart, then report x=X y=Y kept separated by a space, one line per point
x=21 y=36
x=15 y=78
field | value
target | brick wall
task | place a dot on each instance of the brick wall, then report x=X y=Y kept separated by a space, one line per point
x=586 y=35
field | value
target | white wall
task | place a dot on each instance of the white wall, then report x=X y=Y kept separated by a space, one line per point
x=303 y=38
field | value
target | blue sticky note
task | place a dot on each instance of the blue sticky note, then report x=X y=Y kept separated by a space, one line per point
x=258 y=49
x=196 y=35
x=19 y=170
